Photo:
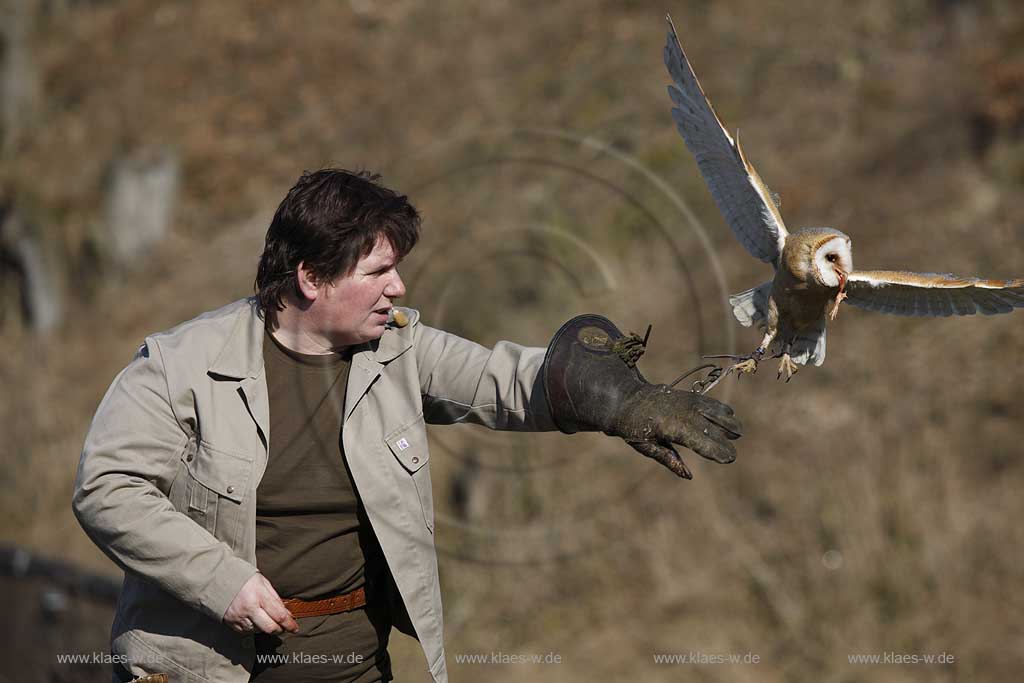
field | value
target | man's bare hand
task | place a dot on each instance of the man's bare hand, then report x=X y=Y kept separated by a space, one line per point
x=258 y=607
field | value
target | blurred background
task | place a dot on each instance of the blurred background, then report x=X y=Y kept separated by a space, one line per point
x=875 y=504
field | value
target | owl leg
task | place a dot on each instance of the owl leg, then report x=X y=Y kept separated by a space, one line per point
x=786 y=365
x=749 y=364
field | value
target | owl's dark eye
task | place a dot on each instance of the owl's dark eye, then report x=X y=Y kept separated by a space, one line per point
x=832 y=257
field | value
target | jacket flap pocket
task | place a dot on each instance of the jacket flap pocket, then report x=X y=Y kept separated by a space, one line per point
x=409 y=444
x=225 y=473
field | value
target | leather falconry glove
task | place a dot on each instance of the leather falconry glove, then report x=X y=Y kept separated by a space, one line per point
x=591 y=384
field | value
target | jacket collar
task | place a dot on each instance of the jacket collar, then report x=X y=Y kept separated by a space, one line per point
x=368 y=360
x=388 y=347
x=242 y=353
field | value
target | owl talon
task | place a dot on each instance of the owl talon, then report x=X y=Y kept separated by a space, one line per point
x=748 y=366
x=745 y=365
x=786 y=365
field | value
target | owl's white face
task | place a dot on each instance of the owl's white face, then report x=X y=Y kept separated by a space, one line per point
x=833 y=261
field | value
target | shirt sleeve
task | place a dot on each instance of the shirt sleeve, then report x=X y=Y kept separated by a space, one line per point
x=462 y=381
x=132 y=454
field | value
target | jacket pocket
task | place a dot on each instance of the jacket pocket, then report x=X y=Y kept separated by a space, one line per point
x=409 y=446
x=217 y=483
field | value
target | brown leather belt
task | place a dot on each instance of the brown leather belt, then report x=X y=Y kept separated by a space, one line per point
x=332 y=605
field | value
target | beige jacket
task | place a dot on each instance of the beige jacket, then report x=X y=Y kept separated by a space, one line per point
x=167 y=481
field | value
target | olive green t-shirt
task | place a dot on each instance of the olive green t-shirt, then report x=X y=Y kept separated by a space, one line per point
x=313 y=538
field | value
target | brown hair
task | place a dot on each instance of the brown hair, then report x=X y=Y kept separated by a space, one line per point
x=329 y=220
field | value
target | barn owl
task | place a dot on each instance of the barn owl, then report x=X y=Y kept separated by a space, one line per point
x=813 y=266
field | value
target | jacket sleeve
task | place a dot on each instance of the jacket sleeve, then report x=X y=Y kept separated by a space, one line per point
x=131 y=456
x=462 y=381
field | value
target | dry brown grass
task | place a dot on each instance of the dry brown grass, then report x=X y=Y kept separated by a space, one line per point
x=896 y=122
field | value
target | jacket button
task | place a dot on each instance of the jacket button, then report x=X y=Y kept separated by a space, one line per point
x=231 y=489
x=190 y=456
x=415 y=459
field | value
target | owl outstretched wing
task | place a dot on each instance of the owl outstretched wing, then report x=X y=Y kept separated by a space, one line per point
x=930 y=294
x=738 y=190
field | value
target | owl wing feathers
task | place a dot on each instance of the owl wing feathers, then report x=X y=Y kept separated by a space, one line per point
x=931 y=294
x=738 y=190
x=751 y=307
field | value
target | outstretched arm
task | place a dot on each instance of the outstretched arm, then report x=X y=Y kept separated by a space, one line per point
x=576 y=384
x=462 y=381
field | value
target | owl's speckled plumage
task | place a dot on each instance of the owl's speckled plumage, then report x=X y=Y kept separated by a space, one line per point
x=813 y=266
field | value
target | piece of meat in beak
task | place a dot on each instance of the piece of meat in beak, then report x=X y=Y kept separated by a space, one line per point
x=840 y=295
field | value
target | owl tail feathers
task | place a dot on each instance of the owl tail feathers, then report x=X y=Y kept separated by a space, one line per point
x=808 y=347
x=751 y=306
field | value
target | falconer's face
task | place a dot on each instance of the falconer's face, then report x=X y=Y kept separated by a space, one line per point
x=353 y=309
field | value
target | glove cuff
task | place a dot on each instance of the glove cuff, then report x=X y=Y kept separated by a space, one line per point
x=584 y=375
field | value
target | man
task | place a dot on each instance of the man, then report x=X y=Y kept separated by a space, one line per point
x=261 y=472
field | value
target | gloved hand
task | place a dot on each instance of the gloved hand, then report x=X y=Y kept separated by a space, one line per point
x=590 y=387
